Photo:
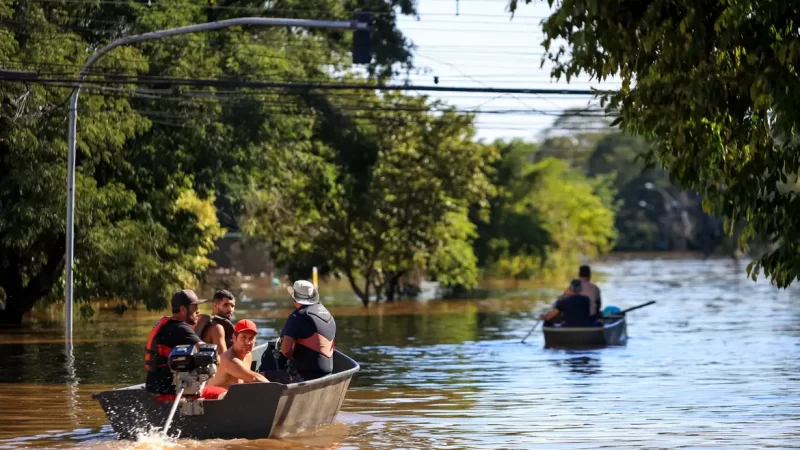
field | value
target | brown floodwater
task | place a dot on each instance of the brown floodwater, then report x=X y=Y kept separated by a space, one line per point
x=714 y=363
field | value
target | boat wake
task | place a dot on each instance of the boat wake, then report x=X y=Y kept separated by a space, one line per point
x=326 y=436
x=152 y=438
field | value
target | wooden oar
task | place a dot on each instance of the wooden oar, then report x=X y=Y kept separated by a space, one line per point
x=634 y=307
x=529 y=332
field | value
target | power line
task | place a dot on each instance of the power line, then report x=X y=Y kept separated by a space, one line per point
x=278 y=102
x=311 y=86
x=200 y=6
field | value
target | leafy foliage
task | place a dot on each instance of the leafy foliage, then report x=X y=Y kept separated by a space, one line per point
x=714 y=85
x=544 y=217
x=152 y=163
x=387 y=201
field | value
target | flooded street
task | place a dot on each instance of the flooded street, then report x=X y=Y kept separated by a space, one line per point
x=714 y=363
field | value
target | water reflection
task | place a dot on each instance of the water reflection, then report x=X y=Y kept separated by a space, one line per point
x=579 y=365
x=707 y=366
x=73 y=404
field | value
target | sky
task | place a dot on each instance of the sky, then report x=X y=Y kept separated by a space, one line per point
x=483 y=46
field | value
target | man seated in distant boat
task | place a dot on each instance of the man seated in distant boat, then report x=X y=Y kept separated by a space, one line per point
x=166 y=334
x=573 y=309
x=234 y=364
x=588 y=289
x=218 y=328
x=308 y=335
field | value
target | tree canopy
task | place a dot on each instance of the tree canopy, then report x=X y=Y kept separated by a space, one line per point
x=373 y=185
x=544 y=217
x=714 y=85
x=154 y=160
x=385 y=202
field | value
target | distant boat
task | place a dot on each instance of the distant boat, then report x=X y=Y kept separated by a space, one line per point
x=613 y=332
x=248 y=411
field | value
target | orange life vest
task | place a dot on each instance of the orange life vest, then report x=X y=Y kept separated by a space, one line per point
x=156 y=356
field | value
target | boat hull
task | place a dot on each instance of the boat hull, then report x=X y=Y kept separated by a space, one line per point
x=611 y=333
x=248 y=411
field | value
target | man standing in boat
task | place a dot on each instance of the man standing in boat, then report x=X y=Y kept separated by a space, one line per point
x=234 y=364
x=588 y=289
x=218 y=328
x=166 y=334
x=308 y=335
x=574 y=307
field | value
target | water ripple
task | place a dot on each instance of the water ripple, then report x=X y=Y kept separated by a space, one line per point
x=714 y=364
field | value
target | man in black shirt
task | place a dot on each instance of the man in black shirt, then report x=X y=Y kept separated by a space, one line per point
x=308 y=335
x=166 y=334
x=575 y=308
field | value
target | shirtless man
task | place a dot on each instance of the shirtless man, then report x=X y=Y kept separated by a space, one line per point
x=234 y=365
x=588 y=289
x=218 y=328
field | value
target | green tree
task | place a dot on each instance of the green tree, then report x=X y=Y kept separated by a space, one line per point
x=384 y=202
x=508 y=228
x=153 y=159
x=544 y=217
x=642 y=211
x=714 y=85
x=652 y=213
x=33 y=143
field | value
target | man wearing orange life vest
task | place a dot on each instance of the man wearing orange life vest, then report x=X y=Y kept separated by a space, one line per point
x=166 y=334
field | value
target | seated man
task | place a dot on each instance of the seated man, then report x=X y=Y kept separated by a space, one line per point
x=574 y=307
x=308 y=335
x=588 y=289
x=235 y=362
x=166 y=334
x=217 y=328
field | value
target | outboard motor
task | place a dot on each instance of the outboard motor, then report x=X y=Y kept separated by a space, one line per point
x=191 y=369
x=272 y=359
x=277 y=367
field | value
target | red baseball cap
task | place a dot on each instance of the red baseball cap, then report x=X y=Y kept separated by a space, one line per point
x=245 y=325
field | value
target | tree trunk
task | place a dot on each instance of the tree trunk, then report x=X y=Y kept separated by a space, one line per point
x=391 y=289
x=394 y=282
x=362 y=294
x=378 y=290
x=20 y=299
x=14 y=311
x=365 y=299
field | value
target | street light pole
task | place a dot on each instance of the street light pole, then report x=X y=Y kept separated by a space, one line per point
x=361 y=23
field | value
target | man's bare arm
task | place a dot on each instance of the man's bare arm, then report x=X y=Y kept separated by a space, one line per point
x=217 y=335
x=550 y=315
x=236 y=368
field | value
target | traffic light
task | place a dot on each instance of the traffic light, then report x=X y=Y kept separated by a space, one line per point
x=362 y=40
